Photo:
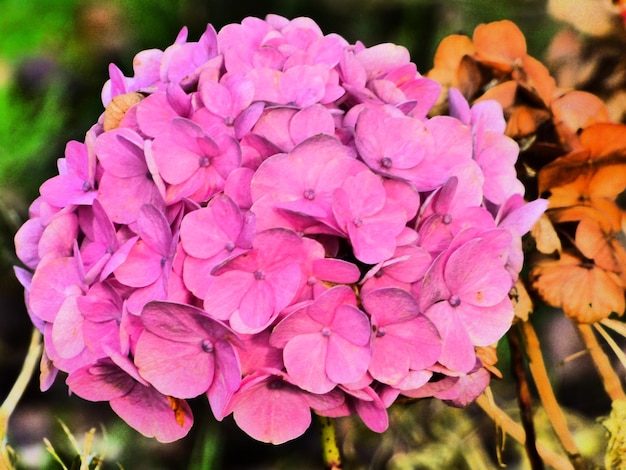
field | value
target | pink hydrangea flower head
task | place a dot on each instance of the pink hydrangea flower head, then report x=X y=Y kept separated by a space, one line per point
x=268 y=217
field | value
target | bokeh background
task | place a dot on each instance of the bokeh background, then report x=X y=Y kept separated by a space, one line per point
x=54 y=56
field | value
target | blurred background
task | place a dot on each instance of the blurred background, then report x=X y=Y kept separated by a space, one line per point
x=54 y=56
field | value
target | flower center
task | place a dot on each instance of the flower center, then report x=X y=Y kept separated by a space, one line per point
x=311 y=280
x=207 y=346
x=204 y=161
x=275 y=384
x=309 y=194
x=229 y=121
x=325 y=332
x=454 y=300
x=446 y=219
x=357 y=221
x=386 y=162
x=381 y=331
x=259 y=275
x=87 y=187
x=230 y=246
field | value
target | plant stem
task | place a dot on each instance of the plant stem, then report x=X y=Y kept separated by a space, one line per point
x=546 y=394
x=516 y=431
x=7 y=408
x=610 y=379
x=330 y=451
x=524 y=399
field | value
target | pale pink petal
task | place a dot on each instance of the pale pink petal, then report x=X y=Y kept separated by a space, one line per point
x=305 y=359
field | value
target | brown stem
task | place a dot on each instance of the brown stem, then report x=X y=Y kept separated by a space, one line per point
x=524 y=399
x=516 y=431
x=546 y=394
x=610 y=379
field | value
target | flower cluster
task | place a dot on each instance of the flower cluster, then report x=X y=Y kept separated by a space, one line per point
x=268 y=216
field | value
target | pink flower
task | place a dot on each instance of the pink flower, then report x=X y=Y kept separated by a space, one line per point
x=251 y=289
x=270 y=408
x=404 y=339
x=408 y=265
x=77 y=172
x=333 y=333
x=369 y=219
x=193 y=163
x=391 y=145
x=276 y=224
x=465 y=294
x=211 y=235
x=148 y=264
x=102 y=250
x=302 y=182
x=127 y=183
x=183 y=353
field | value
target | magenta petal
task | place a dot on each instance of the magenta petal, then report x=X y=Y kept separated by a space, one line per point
x=59 y=236
x=196 y=273
x=297 y=323
x=345 y=361
x=226 y=379
x=122 y=198
x=153 y=228
x=305 y=360
x=141 y=268
x=389 y=363
x=67 y=189
x=120 y=151
x=373 y=413
x=224 y=293
x=178 y=369
x=152 y=415
x=390 y=305
x=67 y=329
x=272 y=411
x=100 y=382
x=467 y=389
x=475 y=272
x=311 y=121
x=336 y=270
x=351 y=324
x=208 y=231
x=54 y=280
x=458 y=351
x=422 y=340
x=486 y=325
x=257 y=307
x=181 y=323
x=382 y=58
x=26 y=241
x=414 y=379
x=324 y=307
